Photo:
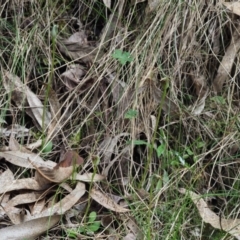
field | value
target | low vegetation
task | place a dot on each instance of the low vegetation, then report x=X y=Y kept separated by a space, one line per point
x=119 y=119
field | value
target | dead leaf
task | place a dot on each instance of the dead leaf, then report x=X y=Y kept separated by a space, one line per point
x=71 y=158
x=29 y=230
x=130 y=236
x=38 y=207
x=201 y=90
x=225 y=67
x=152 y=5
x=13 y=144
x=106 y=202
x=232 y=226
x=15 y=213
x=20 y=159
x=89 y=177
x=108 y=145
x=78 y=37
x=62 y=171
x=35 y=145
x=117 y=87
x=54 y=104
x=63 y=205
x=16 y=129
x=107 y=3
x=77 y=48
x=71 y=77
x=27 y=183
x=233 y=7
x=23 y=96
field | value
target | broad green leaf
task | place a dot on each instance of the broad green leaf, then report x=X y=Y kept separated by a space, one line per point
x=92 y=217
x=94 y=227
x=122 y=57
x=160 y=150
x=48 y=147
x=219 y=99
x=130 y=114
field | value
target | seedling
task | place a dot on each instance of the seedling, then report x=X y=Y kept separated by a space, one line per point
x=130 y=114
x=47 y=148
x=122 y=57
x=89 y=228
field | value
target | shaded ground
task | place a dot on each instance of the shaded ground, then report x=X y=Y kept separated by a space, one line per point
x=145 y=97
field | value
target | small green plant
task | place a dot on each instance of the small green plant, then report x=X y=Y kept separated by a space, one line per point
x=47 y=148
x=122 y=57
x=89 y=228
x=130 y=114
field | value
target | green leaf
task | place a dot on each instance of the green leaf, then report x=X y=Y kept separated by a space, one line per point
x=189 y=152
x=54 y=31
x=140 y=142
x=94 y=227
x=122 y=57
x=200 y=144
x=165 y=178
x=130 y=114
x=219 y=99
x=92 y=217
x=48 y=147
x=160 y=149
x=72 y=233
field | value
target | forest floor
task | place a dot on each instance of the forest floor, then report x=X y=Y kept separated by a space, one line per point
x=119 y=119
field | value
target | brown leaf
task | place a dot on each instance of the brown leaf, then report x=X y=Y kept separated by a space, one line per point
x=78 y=37
x=23 y=96
x=77 y=51
x=71 y=77
x=106 y=202
x=71 y=158
x=233 y=7
x=27 y=183
x=63 y=205
x=60 y=172
x=232 y=226
x=225 y=67
x=29 y=230
x=21 y=159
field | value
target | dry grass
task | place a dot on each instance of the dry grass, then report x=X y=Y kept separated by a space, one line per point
x=172 y=47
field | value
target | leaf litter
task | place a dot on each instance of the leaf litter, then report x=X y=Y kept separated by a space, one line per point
x=107 y=93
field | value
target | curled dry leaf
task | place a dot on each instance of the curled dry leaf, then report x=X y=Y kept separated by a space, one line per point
x=44 y=176
x=55 y=108
x=62 y=171
x=71 y=158
x=16 y=129
x=233 y=7
x=106 y=201
x=225 y=67
x=232 y=226
x=63 y=205
x=29 y=230
x=13 y=144
x=15 y=214
x=76 y=47
x=71 y=77
x=27 y=183
x=78 y=38
x=201 y=90
x=20 y=93
x=21 y=159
